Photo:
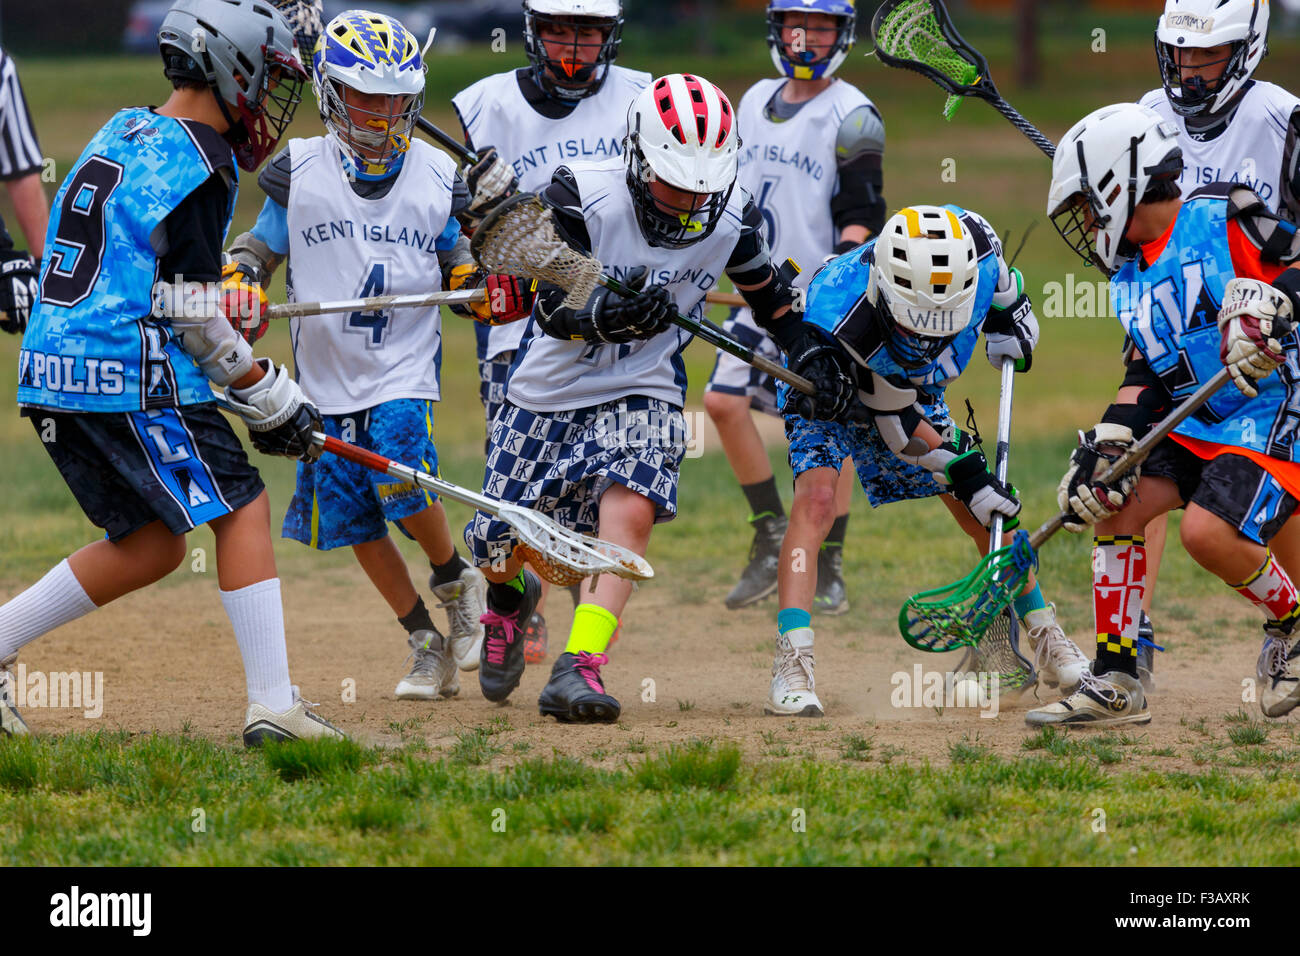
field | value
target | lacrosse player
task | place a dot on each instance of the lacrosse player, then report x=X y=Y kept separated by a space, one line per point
x=568 y=104
x=591 y=431
x=812 y=161
x=114 y=371
x=1115 y=200
x=20 y=169
x=1232 y=128
x=903 y=315
x=362 y=211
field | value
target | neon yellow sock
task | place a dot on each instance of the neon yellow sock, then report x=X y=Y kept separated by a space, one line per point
x=593 y=626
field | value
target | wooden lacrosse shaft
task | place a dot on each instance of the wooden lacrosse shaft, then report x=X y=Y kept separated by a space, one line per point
x=376 y=303
x=717 y=337
x=1136 y=454
x=726 y=298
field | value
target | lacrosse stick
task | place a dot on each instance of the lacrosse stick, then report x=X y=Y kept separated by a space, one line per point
x=519 y=238
x=998 y=651
x=376 y=303
x=447 y=142
x=957 y=615
x=559 y=555
x=919 y=35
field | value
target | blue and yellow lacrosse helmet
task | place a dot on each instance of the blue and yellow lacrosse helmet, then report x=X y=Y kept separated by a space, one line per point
x=360 y=57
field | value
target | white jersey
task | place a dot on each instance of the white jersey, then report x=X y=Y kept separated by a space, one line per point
x=553 y=374
x=1249 y=151
x=495 y=113
x=344 y=247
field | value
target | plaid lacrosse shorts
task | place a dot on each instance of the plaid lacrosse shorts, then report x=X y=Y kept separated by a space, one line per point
x=731 y=376
x=883 y=475
x=560 y=463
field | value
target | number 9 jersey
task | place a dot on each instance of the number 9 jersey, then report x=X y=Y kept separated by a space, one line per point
x=93 y=343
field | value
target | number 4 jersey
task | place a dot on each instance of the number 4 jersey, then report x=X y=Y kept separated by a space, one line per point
x=92 y=343
x=343 y=246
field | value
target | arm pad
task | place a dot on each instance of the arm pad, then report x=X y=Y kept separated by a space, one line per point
x=204 y=332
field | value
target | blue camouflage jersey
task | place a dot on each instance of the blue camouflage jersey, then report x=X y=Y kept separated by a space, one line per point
x=1170 y=311
x=837 y=303
x=92 y=344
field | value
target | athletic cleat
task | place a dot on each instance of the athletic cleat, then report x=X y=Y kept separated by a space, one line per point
x=792 y=692
x=11 y=722
x=465 y=600
x=535 y=639
x=296 y=723
x=501 y=659
x=758 y=580
x=1057 y=659
x=1278 y=672
x=1147 y=648
x=1102 y=700
x=830 y=598
x=575 y=694
x=433 y=674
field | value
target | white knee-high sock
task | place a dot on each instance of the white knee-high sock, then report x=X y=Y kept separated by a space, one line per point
x=55 y=599
x=257 y=616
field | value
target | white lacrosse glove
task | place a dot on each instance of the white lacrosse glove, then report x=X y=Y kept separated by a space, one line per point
x=490 y=180
x=280 y=420
x=1011 y=328
x=1255 y=317
x=1081 y=495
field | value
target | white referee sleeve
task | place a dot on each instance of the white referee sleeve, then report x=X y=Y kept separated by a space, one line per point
x=20 y=154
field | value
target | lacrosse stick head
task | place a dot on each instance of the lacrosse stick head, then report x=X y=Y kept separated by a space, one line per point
x=565 y=557
x=998 y=652
x=959 y=614
x=519 y=238
x=919 y=35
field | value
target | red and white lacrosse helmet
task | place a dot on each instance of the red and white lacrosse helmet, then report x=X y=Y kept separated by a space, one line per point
x=681 y=135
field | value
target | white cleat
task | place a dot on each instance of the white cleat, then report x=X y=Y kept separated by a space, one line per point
x=1278 y=673
x=1101 y=701
x=1057 y=659
x=466 y=602
x=433 y=674
x=792 y=677
x=11 y=722
x=296 y=723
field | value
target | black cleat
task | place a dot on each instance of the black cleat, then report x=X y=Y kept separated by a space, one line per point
x=758 y=580
x=575 y=693
x=830 y=597
x=501 y=659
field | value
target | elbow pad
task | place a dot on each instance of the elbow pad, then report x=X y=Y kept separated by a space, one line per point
x=780 y=291
x=203 y=331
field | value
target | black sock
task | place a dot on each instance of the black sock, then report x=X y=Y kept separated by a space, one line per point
x=443 y=573
x=507 y=597
x=417 y=619
x=839 y=529
x=1110 y=660
x=763 y=498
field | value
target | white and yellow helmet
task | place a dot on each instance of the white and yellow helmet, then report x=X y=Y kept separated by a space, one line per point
x=924 y=276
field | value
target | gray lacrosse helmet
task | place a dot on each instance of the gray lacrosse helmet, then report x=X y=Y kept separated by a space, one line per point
x=244 y=50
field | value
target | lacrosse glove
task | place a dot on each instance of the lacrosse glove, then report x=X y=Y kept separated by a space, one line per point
x=1082 y=496
x=490 y=180
x=1011 y=328
x=243 y=300
x=1254 y=319
x=813 y=356
x=971 y=483
x=280 y=420
x=18 y=291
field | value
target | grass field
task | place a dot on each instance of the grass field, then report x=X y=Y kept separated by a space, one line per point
x=704 y=779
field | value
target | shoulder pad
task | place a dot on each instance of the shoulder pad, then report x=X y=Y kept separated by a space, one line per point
x=274 y=178
x=1277 y=241
x=986 y=237
x=1219 y=191
x=211 y=145
x=862 y=132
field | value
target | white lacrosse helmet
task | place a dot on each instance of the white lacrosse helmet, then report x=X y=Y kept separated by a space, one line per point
x=1103 y=168
x=579 y=81
x=681 y=132
x=924 y=274
x=1239 y=24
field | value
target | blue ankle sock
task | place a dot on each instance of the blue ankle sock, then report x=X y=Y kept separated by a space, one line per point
x=789 y=618
x=1030 y=602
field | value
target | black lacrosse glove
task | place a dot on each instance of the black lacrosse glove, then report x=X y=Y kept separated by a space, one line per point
x=830 y=370
x=18 y=292
x=980 y=491
x=618 y=319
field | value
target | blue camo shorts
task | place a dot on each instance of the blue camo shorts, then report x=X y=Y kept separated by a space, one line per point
x=883 y=475
x=560 y=463
x=338 y=503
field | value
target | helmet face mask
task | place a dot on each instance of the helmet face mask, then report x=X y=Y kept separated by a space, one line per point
x=368 y=77
x=800 y=59
x=682 y=156
x=570 y=50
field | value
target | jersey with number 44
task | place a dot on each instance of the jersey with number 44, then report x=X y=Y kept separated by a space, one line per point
x=342 y=246
x=92 y=343
x=1170 y=311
